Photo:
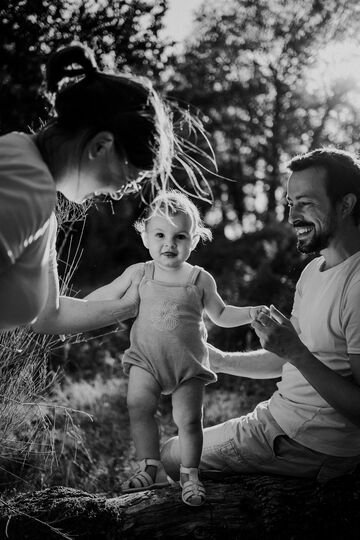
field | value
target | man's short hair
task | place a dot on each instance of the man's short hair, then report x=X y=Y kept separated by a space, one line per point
x=342 y=173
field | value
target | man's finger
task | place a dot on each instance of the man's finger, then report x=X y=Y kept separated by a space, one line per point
x=257 y=325
x=277 y=315
x=264 y=319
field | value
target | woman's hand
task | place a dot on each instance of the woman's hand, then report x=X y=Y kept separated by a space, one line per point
x=131 y=295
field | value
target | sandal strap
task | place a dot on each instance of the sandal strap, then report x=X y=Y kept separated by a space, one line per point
x=139 y=479
x=146 y=462
x=190 y=488
x=193 y=493
x=142 y=479
x=193 y=473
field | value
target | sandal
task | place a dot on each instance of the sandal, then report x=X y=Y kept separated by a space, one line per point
x=193 y=491
x=141 y=480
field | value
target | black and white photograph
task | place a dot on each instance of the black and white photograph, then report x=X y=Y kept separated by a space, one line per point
x=179 y=269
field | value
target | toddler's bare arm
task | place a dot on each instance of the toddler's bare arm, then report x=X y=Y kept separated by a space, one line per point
x=221 y=314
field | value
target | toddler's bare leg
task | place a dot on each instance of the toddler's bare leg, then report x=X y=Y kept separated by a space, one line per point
x=142 y=400
x=187 y=412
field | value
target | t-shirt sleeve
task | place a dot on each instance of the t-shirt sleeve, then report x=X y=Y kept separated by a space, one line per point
x=52 y=242
x=27 y=196
x=297 y=297
x=351 y=319
x=6 y=255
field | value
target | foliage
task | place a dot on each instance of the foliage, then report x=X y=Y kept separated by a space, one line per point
x=123 y=34
x=247 y=69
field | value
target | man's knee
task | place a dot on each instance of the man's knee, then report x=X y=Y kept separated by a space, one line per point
x=170 y=457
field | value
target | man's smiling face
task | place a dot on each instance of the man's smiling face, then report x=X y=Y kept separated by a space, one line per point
x=311 y=212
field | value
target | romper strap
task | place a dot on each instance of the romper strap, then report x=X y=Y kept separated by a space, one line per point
x=149 y=270
x=194 y=274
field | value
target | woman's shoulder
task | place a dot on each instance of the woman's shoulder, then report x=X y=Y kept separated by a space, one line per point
x=27 y=191
x=22 y=168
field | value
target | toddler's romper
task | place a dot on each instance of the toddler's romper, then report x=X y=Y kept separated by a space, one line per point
x=168 y=337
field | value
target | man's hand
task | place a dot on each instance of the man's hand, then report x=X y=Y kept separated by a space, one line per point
x=256 y=311
x=277 y=335
x=217 y=358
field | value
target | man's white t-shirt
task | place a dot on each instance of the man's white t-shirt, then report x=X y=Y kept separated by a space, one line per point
x=327 y=307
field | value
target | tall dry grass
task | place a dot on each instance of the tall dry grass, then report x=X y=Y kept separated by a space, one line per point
x=29 y=416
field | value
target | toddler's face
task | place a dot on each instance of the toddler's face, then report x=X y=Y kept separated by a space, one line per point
x=169 y=240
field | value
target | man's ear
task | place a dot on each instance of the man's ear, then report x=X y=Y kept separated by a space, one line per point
x=145 y=240
x=195 y=241
x=101 y=144
x=347 y=204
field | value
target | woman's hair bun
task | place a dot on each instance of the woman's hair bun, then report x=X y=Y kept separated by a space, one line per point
x=68 y=62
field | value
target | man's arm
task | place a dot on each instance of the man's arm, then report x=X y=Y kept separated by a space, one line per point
x=259 y=364
x=66 y=315
x=278 y=335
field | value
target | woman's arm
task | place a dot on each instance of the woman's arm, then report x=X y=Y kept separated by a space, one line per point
x=220 y=313
x=117 y=288
x=103 y=307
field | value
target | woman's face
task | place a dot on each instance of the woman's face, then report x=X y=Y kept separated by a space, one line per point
x=100 y=171
x=102 y=177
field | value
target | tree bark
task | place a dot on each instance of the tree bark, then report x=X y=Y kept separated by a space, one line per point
x=246 y=507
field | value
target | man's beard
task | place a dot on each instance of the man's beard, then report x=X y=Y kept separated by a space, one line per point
x=321 y=240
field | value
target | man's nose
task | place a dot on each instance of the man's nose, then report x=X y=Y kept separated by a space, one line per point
x=293 y=214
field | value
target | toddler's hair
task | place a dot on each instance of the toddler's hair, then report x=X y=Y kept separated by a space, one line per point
x=170 y=203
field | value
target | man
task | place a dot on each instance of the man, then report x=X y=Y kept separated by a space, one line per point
x=311 y=425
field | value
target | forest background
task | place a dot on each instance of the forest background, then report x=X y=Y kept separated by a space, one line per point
x=268 y=79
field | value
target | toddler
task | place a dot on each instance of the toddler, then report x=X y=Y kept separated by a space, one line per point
x=168 y=351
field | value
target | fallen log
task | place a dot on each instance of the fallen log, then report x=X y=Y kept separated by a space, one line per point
x=246 y=507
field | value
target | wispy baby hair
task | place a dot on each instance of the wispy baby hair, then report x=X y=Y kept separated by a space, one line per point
x=171 y=203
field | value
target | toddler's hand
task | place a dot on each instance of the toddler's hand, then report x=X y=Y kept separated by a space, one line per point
x=256 y=311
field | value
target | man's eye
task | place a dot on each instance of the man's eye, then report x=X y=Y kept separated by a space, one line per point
x=159 y=235
x=181 y=236
x=305 y=203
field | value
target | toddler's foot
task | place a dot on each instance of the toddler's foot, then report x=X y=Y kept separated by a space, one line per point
x=193 y=491
x=150 y=475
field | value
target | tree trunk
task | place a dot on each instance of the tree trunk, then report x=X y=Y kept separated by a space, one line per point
x=246 y=507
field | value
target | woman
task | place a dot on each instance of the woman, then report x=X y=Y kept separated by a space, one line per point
x=108 y=135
